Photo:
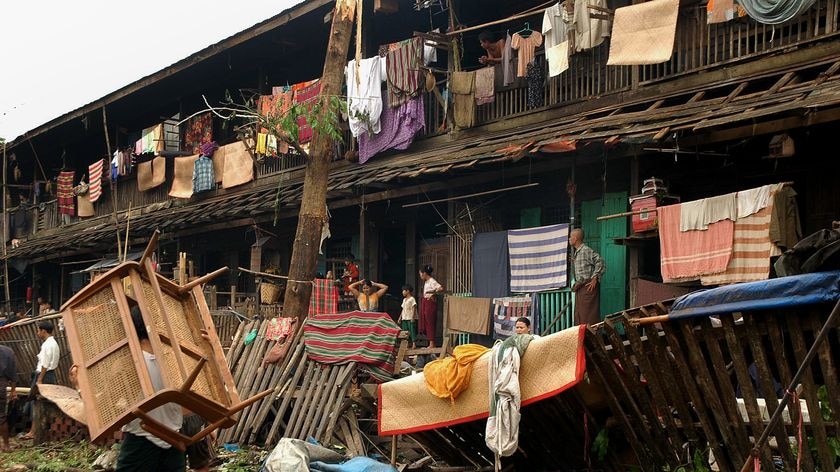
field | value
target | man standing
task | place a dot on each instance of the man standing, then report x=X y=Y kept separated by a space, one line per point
x=589 y=268
x=8 y=373
x=48 y=359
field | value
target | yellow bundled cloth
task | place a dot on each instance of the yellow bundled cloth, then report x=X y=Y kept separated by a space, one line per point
x=448 y=377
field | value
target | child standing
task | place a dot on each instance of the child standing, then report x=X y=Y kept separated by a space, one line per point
x=409 y=311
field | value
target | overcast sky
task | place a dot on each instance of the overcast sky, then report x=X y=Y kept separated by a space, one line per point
x=57 y=55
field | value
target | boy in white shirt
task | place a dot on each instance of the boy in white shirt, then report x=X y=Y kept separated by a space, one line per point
x=408 y=316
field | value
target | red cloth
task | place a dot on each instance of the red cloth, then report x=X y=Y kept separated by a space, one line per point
x=306 y=95
x=95 y=176
x=691 y=254
x=428 y=317
x=324 y=297
x=64 y=193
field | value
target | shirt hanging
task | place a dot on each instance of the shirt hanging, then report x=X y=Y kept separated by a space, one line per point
x=508 y=68
x=364 y=96
x=590 y=32
x=525 y=48
x=204 y=178
x=555 y=26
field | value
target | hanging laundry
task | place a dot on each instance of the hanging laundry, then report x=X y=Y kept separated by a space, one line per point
x=219 y=164
x=468 y=314
x=508 y=62
x=751 y=251
x=506 y=311
x=403 y=71
x=484 y=85
x=239 y=166
x=85 y=206
x=64 y=193
x=463 y=94
x=399 y=127
x=364 y=96
x=151 y=174
x=501 y=433
x=556 y=25
x=204 y=179
x=536 y=82
x=324 y=298
x=279 y=328
x=261 y=143
x=699 y=214
x=558 y=59
x=198 y=130
x=753 y=200
x=491 y=273
x=785 y=227
x=525 y=48
x=95 y=177
x=691 y=254
x=538 y=258
x=182 y=182
x=589 y=31
x=115 y=165
x=644 y=33
x=152 y=140
x=271 y=145
x=306 y=93
x=720 y=11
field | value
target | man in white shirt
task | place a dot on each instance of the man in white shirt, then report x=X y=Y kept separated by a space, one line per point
x=44 y=373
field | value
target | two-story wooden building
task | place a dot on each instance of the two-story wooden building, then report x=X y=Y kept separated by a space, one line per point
x=702 y=121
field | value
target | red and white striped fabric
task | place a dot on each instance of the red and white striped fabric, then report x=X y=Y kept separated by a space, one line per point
x=95 y=174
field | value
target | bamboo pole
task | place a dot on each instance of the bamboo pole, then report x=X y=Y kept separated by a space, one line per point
x=111 y=185
x=6 y=233
x=478 y=194
x=127 y=228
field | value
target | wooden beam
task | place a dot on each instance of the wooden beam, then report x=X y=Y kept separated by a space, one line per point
x=767 y=127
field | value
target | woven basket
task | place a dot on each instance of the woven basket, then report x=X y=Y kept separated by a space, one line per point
x=269 y=293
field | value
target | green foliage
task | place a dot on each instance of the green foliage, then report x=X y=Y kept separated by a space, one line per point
x=53 y=457
x=601 y=444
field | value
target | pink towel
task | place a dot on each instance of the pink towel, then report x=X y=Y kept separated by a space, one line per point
x=95 y=174
x=691 y=254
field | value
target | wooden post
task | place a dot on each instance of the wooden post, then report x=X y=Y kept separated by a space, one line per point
x=111 y=186
x=6 y=233
x=313 y=201
x=633 y=251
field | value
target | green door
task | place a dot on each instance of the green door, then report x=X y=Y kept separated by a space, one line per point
x=600 y=236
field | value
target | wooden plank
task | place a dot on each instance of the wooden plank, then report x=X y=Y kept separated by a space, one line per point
x=313 y=395
x=287 y=398
x=340 y=394
x=320 y=396
x=745 y=382
x=311 y=369
x=809 y=393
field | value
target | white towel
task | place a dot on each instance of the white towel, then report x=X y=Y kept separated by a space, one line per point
x=753 y=200
x=699 y=214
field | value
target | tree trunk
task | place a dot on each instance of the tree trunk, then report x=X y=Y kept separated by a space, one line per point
x=313 y=205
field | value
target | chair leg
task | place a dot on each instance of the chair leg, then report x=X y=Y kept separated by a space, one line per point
x=176 y=439
x=234 y=410
x=193 y=375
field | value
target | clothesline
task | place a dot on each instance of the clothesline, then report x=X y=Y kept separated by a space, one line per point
x=540 y=9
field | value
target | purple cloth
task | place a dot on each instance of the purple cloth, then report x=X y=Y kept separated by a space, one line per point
x=398 y=128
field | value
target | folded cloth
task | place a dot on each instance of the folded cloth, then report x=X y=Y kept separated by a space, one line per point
x=95 y=175
x=182 y=182
x=239 y=166
x=399 y=126
x=752 y=200
x=558 y=59
x=279 y=327
x=699 y=214
x=691 y=254
x=469 y=314
x=484 y=85
x=364 y=99
x=448 y=377
x=463 y=93
x=551 y=365
x=324 y=298
x=64 y=193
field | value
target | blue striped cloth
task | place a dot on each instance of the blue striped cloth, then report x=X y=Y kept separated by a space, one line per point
x=538 y=258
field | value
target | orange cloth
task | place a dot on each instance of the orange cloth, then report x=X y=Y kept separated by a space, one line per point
x=448 y=377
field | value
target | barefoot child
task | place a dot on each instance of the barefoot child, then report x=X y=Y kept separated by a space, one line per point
x=409 y=313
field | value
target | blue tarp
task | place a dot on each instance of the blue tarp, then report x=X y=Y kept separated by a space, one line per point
x=793 y=291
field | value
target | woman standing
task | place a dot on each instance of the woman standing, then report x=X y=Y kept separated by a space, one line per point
x=428 y=305
x=369 y=297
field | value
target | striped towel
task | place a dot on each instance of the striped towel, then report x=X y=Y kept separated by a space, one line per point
x=364 y=337
x=95 y=174
x=538 y=258
x=691 y=254
x=751 y=250
x=403 y=66
x=64 y=193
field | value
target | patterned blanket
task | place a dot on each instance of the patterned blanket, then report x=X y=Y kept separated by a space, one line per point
x=362 y=337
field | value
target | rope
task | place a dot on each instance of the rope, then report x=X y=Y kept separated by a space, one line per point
x=775 y=12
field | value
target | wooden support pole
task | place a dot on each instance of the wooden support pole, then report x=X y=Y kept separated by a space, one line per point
x=111 y=184
x=6 y=233
x=202 y=280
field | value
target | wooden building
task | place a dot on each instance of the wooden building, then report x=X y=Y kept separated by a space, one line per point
x=703 y=122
